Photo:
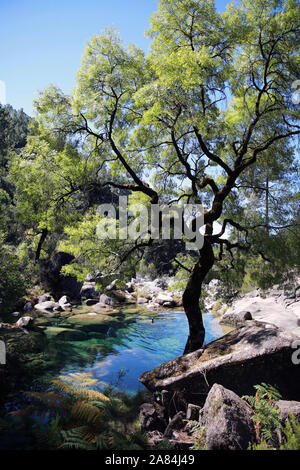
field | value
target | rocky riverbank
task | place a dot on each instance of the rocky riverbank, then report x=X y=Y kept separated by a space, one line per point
x=207 y=385
x=262 y=347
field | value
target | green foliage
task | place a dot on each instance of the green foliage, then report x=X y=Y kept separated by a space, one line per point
x=291 y=432
x=199 y=435
x=13 y=278
x=266 y=415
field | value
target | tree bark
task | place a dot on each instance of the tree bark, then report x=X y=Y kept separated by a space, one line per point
x=191 y=298
x=40 y=244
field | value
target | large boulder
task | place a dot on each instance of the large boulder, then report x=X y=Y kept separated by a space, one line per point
x=64 y=302
x=88 y=290
x=286 y=407
x=24 y=322
x=64 y=334
x=44 y=298
x=227 y=420
x=48 y=306
x=161 y=299
x=236 y=318
x=106 y=300
x=248 y=355
x=94 y=323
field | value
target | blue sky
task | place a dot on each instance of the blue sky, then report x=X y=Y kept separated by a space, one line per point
x=42 y=42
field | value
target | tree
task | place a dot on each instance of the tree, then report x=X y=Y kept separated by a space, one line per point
x=187 y=122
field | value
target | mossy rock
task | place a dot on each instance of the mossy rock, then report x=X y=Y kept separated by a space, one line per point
x=65 y=334
x=43 y=321
x=99 y=323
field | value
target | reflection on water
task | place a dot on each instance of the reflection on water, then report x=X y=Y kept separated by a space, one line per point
x=121 y=355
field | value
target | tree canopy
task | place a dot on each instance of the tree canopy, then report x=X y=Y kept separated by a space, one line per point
x=206 y=117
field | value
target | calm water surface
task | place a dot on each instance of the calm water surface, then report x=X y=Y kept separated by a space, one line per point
x=137 y=347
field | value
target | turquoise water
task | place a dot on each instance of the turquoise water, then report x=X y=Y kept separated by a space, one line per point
x=121 y=355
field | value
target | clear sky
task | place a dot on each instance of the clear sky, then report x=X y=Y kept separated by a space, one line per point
x=42 y=41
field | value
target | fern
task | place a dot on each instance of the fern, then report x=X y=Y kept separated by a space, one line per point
x=291 y=432
x=266 y=415
x=80 y=393
x=199 y=435
x=75 y=439
x=87 y=413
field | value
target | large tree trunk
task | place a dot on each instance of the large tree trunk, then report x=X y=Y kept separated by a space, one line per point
x=191 y=297
x=40 y=244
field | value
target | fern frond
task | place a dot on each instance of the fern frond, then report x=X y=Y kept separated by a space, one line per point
x=75 y=439
x=79 y=393
x=88 y=413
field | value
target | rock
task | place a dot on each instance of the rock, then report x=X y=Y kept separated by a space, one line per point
x=161 y=283
x=5 y=326
x=64 y=302
x=58 y=308
x=16 y=314
x=130 y=299
x=152 y=417
x=142 y=300
x=90 y=302
x=93 y=276
x=247 y=356
x=99 y=306
x=112 y=285
x=106 y=300
x=65 y=334
x=286 y=407
x=46 y=306
x=22 y=361
x=119 y=296
x=88 y=290
x=93 y=323
x=227 y=420
x=152 y=306
x=24 y=322
x=44 y=298
x=163 y=298
x=193 y=412
x=154 y=437
x=129 y=286
x=176 y=423
x=169 y=304
x=236 y=318
x=28 y=307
